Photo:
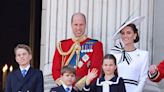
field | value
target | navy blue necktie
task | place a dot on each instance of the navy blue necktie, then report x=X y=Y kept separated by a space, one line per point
x=67 y=89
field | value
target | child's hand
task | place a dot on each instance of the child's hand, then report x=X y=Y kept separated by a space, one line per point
x=91 y=75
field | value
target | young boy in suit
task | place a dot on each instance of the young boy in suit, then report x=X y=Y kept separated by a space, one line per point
x=67 y=79
x=26 y=78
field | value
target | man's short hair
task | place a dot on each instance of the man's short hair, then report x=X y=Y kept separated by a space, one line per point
x=78 y=13
x=69 y=69
x=23 y=46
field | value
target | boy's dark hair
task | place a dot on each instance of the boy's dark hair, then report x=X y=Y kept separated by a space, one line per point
x=69 y=69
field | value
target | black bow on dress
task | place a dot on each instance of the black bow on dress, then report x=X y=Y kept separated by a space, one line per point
x=125 y=56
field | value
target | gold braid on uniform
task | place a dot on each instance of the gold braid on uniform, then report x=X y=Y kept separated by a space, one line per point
x=74 y=48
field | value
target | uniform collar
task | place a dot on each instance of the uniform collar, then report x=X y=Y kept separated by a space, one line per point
x=80 y=39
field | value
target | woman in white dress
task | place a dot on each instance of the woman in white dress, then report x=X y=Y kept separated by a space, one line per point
x=132 y=62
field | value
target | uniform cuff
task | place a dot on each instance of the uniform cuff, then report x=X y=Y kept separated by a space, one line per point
x=86 y=88
x=152 y=76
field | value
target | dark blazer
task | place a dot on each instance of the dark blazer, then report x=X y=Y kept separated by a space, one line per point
x=60 y=89
x=120 y=87
x=32 y=82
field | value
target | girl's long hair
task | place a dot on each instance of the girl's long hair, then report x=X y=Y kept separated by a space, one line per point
x=110 y=56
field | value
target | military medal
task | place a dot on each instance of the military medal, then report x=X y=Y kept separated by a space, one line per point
x=80 y=64
x=85 y=58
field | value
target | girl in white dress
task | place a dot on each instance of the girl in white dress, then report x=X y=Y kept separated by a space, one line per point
x=132 y=62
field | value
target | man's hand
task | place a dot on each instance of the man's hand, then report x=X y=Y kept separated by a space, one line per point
x=152 y=69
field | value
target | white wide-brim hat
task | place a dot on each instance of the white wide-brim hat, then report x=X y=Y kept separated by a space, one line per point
x=135 y=21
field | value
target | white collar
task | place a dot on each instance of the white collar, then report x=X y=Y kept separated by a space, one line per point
x=107 y=82
x=65 y=86
x=27 y=68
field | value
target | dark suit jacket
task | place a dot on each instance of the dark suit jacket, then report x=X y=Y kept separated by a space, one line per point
x=120 y=87
x=32 y=82
x=60 y=89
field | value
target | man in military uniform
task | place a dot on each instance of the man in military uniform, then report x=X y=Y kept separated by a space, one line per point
x=81 y=52
x=156 y=73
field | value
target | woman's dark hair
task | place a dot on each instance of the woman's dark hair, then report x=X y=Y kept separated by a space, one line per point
x=110 y=56
x=133 y=26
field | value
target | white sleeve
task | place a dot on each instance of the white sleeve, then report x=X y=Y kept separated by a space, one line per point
x=143 y=74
